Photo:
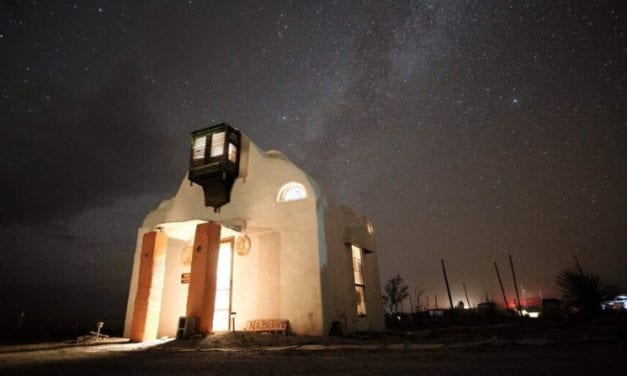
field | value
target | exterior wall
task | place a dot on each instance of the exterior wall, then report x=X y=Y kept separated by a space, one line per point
x=343 y=228
x=299 y=267
x=145 y=321
x=279 y=278
x=357 y=234
x=174 y=300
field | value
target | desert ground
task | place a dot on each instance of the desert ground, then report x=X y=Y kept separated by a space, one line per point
x=452 y=351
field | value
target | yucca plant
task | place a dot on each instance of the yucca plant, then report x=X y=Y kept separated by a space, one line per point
x=584 y=292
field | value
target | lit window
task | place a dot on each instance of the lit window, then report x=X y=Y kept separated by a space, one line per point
x=217 y=144
x=358 y=276
x=370 y=227
x=198 y=149
x=232 y=153
x=291 y=192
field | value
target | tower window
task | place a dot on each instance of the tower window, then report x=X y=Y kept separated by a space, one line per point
x=198 y=149
x=232 y=153
x=217 y=144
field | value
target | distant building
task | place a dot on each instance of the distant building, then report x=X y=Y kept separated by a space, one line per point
x=253 y=244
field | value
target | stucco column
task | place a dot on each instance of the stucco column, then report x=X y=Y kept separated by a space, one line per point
x=202 y=283
x=149 y=287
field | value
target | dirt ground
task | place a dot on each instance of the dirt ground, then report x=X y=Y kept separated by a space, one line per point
x=458 y=352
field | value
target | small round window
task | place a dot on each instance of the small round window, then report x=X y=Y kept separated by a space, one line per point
x=291 y=192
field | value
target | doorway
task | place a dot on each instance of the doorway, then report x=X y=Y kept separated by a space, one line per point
x=224 y=284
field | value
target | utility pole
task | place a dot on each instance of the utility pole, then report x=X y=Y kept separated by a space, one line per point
x=501 y=283
x=466 y=292
x=448 y=289
x=511 y=263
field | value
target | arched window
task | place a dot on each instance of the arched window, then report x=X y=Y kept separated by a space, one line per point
x=291 y=192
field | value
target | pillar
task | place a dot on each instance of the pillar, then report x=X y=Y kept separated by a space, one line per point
x=202 y=284
x=147 y=307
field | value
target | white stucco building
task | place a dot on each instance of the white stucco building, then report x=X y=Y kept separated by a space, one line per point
x=275 y=248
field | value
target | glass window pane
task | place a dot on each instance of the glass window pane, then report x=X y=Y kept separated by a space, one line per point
x=217 y=144
x=359 y=278
x=232 y=153
x=358 y=271
x=358 y=275
x=198 y=149
x=294 y=193
x=356 y=252
x=291 y=192
x=361 y=300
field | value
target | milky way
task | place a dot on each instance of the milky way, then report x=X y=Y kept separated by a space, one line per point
x=467 y=131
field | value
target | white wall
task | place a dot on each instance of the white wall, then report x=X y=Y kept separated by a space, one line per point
x=281 y=276
x=174 y=298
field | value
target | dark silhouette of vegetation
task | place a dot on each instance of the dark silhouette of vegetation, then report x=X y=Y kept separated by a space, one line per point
x=584 y=292
x=395 y=293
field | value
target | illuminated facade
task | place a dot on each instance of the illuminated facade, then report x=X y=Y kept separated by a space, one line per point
x=263 y=243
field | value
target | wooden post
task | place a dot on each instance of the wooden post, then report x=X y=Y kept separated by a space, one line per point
x=448 y=290
x=501 y=284
x=511 y=263
x=147 y=306
x=202 y=282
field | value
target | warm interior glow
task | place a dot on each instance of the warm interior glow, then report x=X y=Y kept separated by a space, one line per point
x=232 y=153
x=223 y=289
x=292 y=192
x=358 y=274
x=198 y=149
x=357 y=267
x=217 y=144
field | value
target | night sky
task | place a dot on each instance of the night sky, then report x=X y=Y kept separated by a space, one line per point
x=466 y=131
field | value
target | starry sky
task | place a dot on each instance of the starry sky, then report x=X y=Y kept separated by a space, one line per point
x=466 y=130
